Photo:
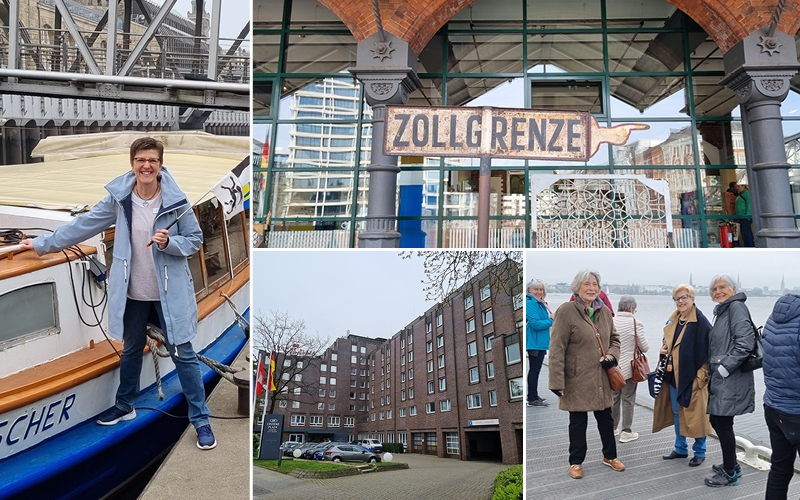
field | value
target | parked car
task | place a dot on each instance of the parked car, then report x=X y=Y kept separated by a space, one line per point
x=319 y=452
x=289 y=447
x=307 y=451
x=371 y=444
x=350 y=453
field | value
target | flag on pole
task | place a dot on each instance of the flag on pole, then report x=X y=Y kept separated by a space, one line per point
x=265 y=153
x=260 y=377
x=271 y=385
x=233 y=190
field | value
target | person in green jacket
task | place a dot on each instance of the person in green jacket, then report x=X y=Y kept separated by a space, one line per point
x=743 y=208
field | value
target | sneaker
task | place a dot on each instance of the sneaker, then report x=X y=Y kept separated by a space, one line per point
x=538 y=402
x=721 y=478
x=614 y=464
x=114 y=415
x=719 y=468
x=627 y=437
x=616 y=432
x=205 y=438
x=575 y=471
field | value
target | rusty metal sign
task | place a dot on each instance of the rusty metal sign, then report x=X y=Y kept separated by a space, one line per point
x=498 y=132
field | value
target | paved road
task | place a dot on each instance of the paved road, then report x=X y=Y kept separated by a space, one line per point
x=647 y=476
x=428 y=478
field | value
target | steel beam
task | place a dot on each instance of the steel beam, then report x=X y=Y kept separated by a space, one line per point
x=13 y=34
x=111 y=43
x=146 y=37
x=213 y=42
x=80 y=42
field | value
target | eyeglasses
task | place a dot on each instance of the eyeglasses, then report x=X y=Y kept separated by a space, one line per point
x=142 y=161
x=682 y=298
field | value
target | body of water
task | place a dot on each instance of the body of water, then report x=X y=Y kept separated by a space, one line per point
x=652 y=312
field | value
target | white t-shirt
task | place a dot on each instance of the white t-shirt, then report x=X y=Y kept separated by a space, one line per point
x=144 y=283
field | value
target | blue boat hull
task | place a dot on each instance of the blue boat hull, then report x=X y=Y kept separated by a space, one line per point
x=90 y=461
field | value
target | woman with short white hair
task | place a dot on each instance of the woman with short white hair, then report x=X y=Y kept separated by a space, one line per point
x=537 y=337
x=631 y=334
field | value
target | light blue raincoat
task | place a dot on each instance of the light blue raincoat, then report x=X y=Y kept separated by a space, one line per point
x=175 y=283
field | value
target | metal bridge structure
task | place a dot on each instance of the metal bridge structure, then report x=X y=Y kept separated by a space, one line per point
x=157 y=63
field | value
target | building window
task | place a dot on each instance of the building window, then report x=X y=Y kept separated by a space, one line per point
x=297 y=391
x=295 y=404
x=489 y=371
x=333 y=381
x=473 y=401
x=298 y=377
x=388 y=414
x=283 y=403
x=402 y=412
x=402 y=360
x=438 y=318
x=487 y=342
x=323 y=367
x=492 y=398
x=333 y=421
x=298 y=420
x=382 y=384
x=285 y=376
x=472 y=349
x=363 y=350
x=474 y=377
x=467 y=301
x=353 y=407
x=316 y=421
x=362 y=384
x=354 y=348
x=331 y=406
x=440 y=341
x=322 y=380
x=332 y=393
x=430 y=365
x=412 y=411
x=516 y=292
x=372 y=416
x=349 y=421
x=388 y=399
x=470 y=325
x=441 y=361
x=428 y=325
x=334 y=356
x=444 y=405
x=403 y=395
x=430 y=387
x=361 y=407
x=320 y=406
x=353 y=360
x=512 y=348
x=333 y=368
x=362 y=372
x=381 y=400
x=410 y=373
x=429 y=346
x=410 y=357
x=402 y=343
x=410 y=393
x=381 y=415
x=286 y=362
x=515 y=387
x=402 y=376
x=388 y=367
x=430 y=407
x=322 y=393
x=442 y=384
x=352 y=383
x=485 y=290
x=299 y=364
x=487 y=316
x=451 y=438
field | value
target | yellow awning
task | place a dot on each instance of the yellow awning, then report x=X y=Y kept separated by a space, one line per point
x=76 y=168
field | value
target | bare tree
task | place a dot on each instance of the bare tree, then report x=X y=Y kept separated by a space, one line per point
x=294 y=350
x=446 y=272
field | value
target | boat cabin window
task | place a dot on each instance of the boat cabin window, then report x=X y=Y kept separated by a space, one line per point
x=211 y=221
x=237 y=240
x=27 y=310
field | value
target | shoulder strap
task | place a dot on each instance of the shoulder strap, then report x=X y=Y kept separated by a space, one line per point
x=597 y=335
x=635 y=340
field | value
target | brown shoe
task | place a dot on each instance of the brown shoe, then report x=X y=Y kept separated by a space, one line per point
x=575 y=471
x=614 y=464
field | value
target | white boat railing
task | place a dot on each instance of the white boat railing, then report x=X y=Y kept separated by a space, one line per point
x=335 y=238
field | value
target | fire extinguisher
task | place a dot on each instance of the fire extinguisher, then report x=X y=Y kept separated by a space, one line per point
x=725 y=235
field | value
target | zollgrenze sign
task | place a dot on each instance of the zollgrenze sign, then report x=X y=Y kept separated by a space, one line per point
x=498 y=132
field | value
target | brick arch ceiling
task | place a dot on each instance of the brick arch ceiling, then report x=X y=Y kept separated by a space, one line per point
x=416 y=22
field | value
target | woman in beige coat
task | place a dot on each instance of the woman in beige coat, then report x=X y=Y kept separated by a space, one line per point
x=683 y=399
x=578 y=369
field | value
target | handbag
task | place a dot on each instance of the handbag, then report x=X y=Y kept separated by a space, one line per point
x=755 y=359
x=639 y=365
x=656 y=378
x=615 y=377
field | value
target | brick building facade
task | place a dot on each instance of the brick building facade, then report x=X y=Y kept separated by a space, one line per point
x=448 y=384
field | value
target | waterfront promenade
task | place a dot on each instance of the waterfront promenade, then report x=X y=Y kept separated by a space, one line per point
x=646 y=477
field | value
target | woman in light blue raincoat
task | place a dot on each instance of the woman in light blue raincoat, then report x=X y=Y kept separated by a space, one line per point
x=146 y=283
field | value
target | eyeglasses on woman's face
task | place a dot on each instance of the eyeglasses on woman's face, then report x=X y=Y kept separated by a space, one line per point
x=682 y=298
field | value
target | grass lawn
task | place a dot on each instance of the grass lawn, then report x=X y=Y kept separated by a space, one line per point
x=288 y=466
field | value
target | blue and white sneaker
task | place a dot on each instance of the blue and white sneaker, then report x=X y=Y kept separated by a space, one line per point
x=205 y=438
x=114 y=415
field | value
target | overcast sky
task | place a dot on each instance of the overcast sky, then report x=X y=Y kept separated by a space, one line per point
x=372 y=294
x=667 y=267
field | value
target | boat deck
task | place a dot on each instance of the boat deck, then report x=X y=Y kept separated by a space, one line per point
x=189 y=469
x=646 y=474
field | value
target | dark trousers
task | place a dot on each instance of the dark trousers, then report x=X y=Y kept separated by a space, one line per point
x=784 y=436
x=747 y=233
x=723 y=426
x=535 y=359
x=578 y=421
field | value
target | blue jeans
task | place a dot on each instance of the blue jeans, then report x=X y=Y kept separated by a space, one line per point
x=137 y=315
x=681 y=446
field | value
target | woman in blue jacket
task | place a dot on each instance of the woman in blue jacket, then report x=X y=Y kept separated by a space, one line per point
x=146 y=282
x=537 y=337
